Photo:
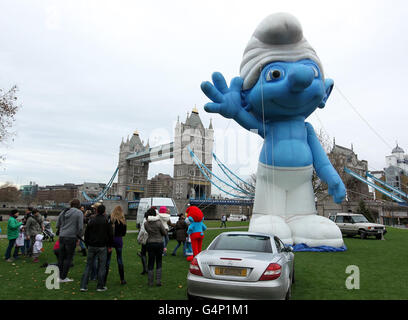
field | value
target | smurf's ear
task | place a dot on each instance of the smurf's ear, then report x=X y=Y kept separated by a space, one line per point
x=328 y=85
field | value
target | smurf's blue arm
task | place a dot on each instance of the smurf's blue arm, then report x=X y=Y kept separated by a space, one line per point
x=228 y=103
x=324 y=169
x=249 y=122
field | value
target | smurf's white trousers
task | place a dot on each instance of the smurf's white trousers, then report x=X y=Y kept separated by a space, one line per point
x=285 y=206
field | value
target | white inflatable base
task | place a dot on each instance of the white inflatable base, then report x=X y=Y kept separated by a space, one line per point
x=313 y=230
x=266 y=223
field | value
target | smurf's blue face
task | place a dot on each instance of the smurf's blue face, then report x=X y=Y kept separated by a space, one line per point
x=287 y=89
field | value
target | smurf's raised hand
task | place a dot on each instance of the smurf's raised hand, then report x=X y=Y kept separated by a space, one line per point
x=226 y=101
x=336 y=189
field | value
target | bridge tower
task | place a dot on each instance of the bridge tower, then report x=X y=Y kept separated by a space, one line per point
x=188 y=181
x=132 y=175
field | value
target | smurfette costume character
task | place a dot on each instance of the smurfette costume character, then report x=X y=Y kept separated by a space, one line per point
x=195 y=230
x=281 y=83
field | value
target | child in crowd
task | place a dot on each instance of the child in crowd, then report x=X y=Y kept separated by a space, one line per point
x=56 y=249
x=20 y=240
x=38 y=247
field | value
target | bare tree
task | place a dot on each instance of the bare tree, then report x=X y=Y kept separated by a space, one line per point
x=249 y=186
x=319 y=187
x=8 y=110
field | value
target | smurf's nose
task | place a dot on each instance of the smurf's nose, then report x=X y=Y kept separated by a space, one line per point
x=300 y=77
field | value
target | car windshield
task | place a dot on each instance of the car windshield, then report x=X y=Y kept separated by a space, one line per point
x=242 y=242
x=359 y=219
x=173 y=211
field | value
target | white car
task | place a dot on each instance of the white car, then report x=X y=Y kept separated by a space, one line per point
x=242 y=265
x=352 y=224
x=237 y=217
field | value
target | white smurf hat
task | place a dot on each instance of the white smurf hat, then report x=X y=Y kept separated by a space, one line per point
x=279 y=37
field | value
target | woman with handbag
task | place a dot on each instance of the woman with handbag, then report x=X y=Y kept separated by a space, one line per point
x=142 y=239
x=117 y=219
x=154 y=246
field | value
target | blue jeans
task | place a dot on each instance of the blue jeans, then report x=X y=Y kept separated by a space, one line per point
x=118 y=259
x=9 y=248
x=94 y=270
x=82 y=245
x=178 y=245
x=26 y=246
x=166 y=240
x=99 y=254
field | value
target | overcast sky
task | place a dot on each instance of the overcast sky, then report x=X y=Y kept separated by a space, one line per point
x=92 y=72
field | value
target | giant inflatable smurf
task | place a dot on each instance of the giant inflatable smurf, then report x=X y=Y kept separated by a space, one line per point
x=195 y=230
x=281 y=83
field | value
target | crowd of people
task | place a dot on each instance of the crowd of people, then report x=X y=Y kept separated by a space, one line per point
x=97 y=233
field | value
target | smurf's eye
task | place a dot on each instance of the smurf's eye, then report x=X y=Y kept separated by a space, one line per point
x=274 y=74
x=316 y=72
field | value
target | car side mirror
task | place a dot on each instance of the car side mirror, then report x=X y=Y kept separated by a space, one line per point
x=288 y=249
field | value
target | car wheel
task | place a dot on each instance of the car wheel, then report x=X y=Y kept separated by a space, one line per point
x=378 y=236
x=363 y=235
x=190 y=297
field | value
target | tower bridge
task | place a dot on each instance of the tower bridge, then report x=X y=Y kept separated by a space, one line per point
x=188 y=181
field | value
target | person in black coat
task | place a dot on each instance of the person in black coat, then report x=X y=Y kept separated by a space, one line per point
x=181 y=234
x=98 y=237
x=117 y=219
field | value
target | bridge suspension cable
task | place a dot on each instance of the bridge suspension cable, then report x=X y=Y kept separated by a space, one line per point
x=224 y=167
x=206 y=172
x=102 y=194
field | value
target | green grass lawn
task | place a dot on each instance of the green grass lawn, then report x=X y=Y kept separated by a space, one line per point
x=382 y=265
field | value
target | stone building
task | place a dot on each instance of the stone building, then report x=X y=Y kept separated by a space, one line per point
x=59 y=195
x=342 y=157
x=397 y=168
x=160 y=185
x=188 y=181
x=132 y=175
x=396 y=172
x=398 y=159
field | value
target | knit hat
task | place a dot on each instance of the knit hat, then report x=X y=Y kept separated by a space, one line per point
x=163 y=209
x=279 y=37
